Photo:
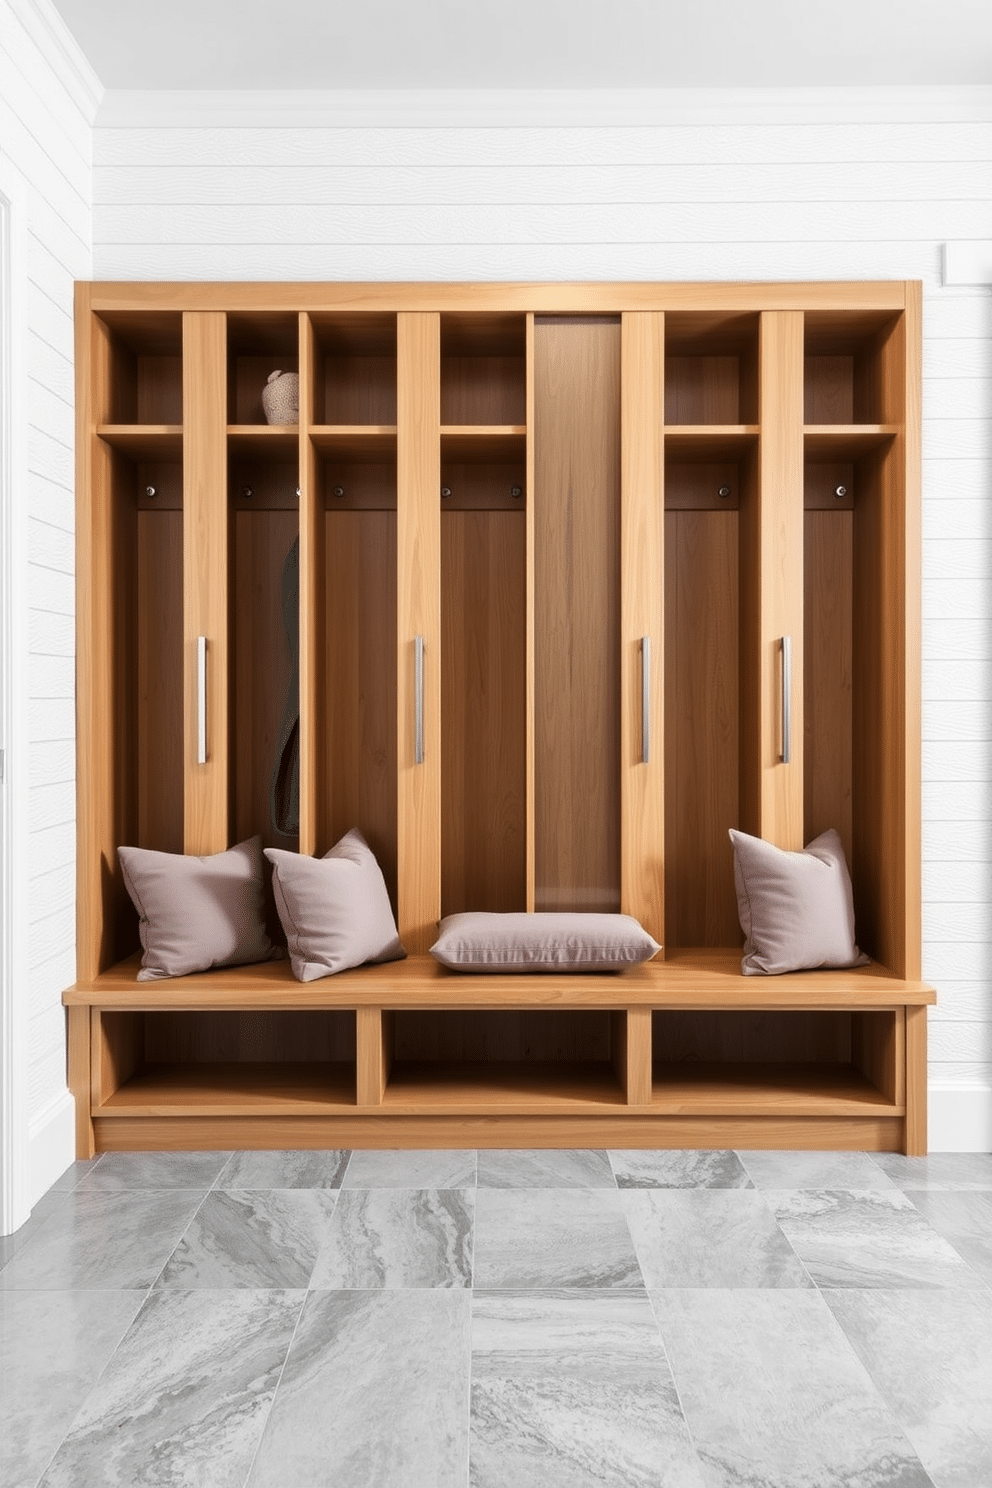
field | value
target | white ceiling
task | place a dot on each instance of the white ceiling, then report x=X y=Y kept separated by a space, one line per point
x=552 y=44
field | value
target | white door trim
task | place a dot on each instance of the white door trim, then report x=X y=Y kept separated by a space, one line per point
x=14 y=1134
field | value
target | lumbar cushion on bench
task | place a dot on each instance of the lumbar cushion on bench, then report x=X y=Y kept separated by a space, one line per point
x=542 y=942
x=198 y=912
x=334 y=910
x=796 y=908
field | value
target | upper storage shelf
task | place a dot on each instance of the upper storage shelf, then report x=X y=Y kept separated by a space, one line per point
x=145 y=383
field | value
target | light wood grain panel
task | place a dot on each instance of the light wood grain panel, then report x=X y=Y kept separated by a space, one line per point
x=755 y=1036
x=698 y=977
x=205 y=573
x=916 y=1082
x=786 y=1089
x=374 y=1054
x=418 y=614
x=701 y=700
x=482 y=706
x=313 y=578
x=158 y=621
x=117 y=1052
x=249 y=1036
x=642 y=534
x=878 y=1043
x=529 y=634
x=577 y=614
x=780 y=477
x=263 y=666
x=839 y=297
x=631 y=1052
x=828 y=661
x=905 y=388
x=78 y=1049
x=357 y=732
x=576 y=1129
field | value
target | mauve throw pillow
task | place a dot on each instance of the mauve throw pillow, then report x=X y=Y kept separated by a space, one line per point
x=335 y=910
x=196 y=913
x=796 y=908
x=544 y=941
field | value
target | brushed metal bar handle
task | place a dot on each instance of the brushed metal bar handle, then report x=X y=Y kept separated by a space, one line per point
x=418 y=698
x=645 y=699
x=786 y=699
x=201 y=700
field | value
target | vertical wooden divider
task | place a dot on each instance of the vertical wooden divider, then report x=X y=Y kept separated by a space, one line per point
x=374 y=1042
x=530 y=497
x=630 y=1042
x=418 y=610
x=313 y=569
x=916 y=1081
x=205 y=574
x=642 y=564
x=779 y=540
x=79 y=1077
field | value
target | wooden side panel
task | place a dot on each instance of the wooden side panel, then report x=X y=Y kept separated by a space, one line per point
x=418 y=542
x=827 y=667
x=483 y=741
x=780 y=539
x=313 y=577
x=117 y=1051
x=78 y=1039
x=886 y=867
x=205 y=564
x=916 y=1081
x=357 y=761
x=529 y=623
x=105 y=680
x=642 y=533
x=701 y=707
x=878 y=1050
x=577 y=614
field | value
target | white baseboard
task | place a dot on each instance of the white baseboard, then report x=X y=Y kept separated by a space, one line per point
x=51 y=1144
x=960 y=1118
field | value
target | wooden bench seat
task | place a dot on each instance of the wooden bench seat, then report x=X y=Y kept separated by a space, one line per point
x=363 y=1058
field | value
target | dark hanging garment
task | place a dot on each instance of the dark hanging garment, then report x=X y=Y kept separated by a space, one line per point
x=285 y=792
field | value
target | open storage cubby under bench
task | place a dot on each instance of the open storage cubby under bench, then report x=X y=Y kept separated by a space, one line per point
x=679 y=1053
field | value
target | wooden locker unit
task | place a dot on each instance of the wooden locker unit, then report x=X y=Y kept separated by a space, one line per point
x=551 y=538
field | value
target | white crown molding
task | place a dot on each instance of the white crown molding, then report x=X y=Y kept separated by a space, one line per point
x=62 y=52
x=574 y=108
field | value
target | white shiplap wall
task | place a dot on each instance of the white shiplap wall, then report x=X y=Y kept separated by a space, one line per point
x=48 y=99
x=762 y=186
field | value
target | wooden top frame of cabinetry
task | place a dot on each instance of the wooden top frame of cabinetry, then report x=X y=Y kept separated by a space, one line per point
x=845 y=296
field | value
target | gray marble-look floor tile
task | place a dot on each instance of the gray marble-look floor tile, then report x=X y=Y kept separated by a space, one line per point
x=260 y=1238
x=53 y=1346
x=930 y=1355
x=118 y=1171
x=46 y=1206
x=574 y=1388
x=318 y=1169
x=397 y=1238
x=775 y=1397
x=710 y=1238
x=115 y=1241
x=544 y=1168
x=185 y=1397
x=388 y=1168
x=539 y=1238
x=663 y=1169
x=867 y=1238
x=74 y=1175
x=962 y=1170
x=814 y=1170
x=964 y=1218
x=374 y=1394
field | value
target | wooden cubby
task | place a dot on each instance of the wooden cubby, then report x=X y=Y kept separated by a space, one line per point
x=595 y=511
